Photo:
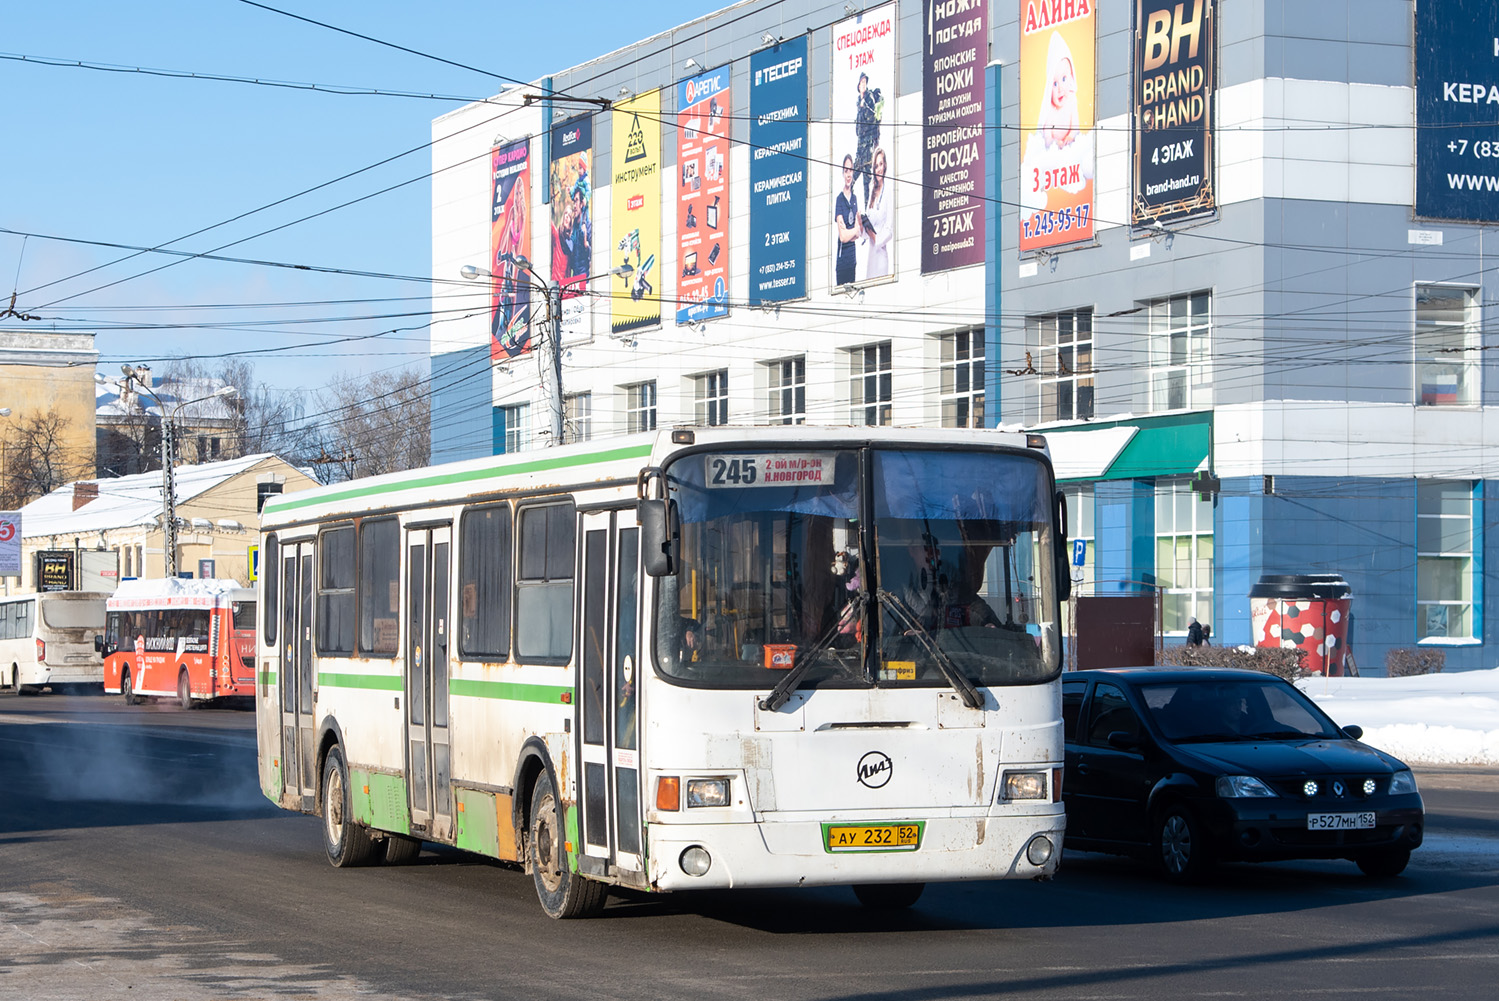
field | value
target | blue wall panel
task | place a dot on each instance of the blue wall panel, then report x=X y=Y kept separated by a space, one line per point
x=461 y=394
x=1124 y=543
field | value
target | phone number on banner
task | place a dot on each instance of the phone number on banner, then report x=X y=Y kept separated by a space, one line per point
x=1061 y=221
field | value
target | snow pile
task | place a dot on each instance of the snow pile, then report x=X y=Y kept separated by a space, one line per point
x=1450 y=719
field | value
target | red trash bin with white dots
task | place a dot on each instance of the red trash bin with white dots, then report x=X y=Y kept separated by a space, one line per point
x=1309 y=611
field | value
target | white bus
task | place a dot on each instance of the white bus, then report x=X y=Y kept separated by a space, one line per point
x=726 y=657
x=52 y=640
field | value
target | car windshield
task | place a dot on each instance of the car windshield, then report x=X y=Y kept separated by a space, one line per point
x=775 y=571
x=1224 y=710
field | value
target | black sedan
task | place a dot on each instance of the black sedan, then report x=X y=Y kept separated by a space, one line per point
x=1188 y=767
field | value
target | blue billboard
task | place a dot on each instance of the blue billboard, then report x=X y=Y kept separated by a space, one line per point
x=778 y=172
x=1457 y=108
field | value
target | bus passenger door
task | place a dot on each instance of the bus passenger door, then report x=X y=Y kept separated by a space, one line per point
x=608 y=676
x=298 y=759
x=428 y=758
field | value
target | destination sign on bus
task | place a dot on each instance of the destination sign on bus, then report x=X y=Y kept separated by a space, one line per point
x=777 y=469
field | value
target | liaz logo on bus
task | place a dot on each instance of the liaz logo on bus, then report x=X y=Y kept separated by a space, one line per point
x=875 y=769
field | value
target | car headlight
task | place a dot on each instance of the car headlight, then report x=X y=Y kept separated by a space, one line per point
x=707 y=792
x=1023 y=785
x=1402 y=782
x=1239 y=786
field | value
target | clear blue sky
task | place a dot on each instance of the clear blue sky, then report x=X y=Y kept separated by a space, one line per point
x=143 y=160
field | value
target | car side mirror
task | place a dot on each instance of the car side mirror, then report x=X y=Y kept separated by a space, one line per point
x=1124 y=741
x=660 y=530
x=1354 y=732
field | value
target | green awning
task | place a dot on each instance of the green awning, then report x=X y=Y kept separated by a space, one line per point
x=1162 y=450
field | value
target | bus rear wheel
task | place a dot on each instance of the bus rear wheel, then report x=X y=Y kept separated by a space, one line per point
x=347 y=842
x=563 y=894
x=401 y=850
x=127 y=690
x=888 y=896
x=184 y=691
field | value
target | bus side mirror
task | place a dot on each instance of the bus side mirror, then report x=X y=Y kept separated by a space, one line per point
x=98 y=643
x=660 y=532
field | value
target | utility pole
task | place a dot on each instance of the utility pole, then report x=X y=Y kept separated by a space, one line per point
x=168 y=492
x=554 y=348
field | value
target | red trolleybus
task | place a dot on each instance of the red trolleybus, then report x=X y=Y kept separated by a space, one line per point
x=192 y=639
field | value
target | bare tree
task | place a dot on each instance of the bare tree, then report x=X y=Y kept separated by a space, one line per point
x=372 y=424
x=38 y=457
x=263 y=419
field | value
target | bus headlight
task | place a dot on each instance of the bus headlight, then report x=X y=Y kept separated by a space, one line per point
x=707 y=792
x=695 y=861
x=1023 y=785
x=1039 y=851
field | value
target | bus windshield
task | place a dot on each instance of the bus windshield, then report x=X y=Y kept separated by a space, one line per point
x=939 y=566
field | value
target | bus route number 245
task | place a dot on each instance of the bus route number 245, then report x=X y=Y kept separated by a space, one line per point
x=725 y=471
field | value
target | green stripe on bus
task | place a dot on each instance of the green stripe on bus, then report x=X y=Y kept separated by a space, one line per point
x=379 y=682
x=511 y=691
x=293 y=501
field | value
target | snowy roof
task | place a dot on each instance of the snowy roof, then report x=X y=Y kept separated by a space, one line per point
x=201 y=404
x=199 y=591
x=1086 y=455
x=126 y=500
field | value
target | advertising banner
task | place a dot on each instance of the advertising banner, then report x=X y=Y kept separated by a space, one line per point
x=1058 y=55
x=10 y=543
x=635 y=212
x=1173 y=82
x=778 y=172
x=703 y=196
x=54 y=570
x=510 y=250
x=1457 y=107
x=572 y=221
x=953 y=56
x=863 y=115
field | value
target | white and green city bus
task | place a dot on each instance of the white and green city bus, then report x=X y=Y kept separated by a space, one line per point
x=704 y=657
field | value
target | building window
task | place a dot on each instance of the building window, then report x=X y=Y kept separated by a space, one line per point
x=869 y=387
x=710 y=393
x=1065 y=364
x=1179 y=352
x=1184 y=553
x=1447 y=338
x=640 y=407
x=962 y=375
x=1445 y=543
x=517 y=427
x=788 y=391
x=577 y=416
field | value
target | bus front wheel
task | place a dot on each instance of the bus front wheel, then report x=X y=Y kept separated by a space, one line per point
x=563 y=893
x=128 y=691
x=347 y=842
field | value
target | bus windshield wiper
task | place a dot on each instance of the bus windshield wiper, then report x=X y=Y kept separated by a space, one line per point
x=913 y=627
x=806 y=660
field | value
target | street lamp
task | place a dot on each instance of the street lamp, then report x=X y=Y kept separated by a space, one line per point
x=168 y=455
x=553 y=368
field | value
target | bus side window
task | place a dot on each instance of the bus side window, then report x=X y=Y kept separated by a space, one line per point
x=544 y=590
x=335 y=598
x=270 y=578
x=379 y=587
x=485 y=583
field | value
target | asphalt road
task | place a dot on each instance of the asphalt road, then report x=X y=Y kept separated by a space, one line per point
x=138 y=859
